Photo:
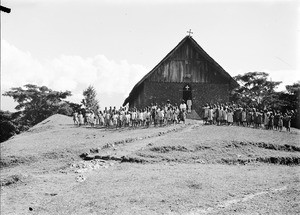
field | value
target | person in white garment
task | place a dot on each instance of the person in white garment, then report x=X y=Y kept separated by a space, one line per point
x=189 y=105
x=182 y=106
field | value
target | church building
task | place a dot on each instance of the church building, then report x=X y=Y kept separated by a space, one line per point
x=186 y=73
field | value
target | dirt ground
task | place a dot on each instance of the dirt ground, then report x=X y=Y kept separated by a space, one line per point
x=58 y=168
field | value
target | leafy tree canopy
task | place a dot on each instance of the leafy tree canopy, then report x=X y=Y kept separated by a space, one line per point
x=291 y=99
x=37 y=103
x=294 y=88
x=7 y=127
x=255 y=88
x=90 y=100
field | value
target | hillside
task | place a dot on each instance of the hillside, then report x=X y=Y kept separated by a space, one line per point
x=58 y=168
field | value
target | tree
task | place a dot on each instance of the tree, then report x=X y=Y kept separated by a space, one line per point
x=294 y=88
x=37 y=103
x=74 y=106
x=90 y=100
x=291 y=101
x=7 y=127
x=255 y=89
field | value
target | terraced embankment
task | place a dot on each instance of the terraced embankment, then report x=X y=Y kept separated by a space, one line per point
x=208 y=144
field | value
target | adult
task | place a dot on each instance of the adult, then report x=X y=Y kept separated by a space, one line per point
x=189 y=105
x=182 y=108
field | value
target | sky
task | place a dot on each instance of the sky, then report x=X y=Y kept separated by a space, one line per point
x=111 y=45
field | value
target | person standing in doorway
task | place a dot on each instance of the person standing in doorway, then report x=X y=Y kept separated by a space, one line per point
x=189 y=105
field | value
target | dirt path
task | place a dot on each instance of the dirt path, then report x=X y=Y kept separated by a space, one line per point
x=128 y=148
x=230 y=203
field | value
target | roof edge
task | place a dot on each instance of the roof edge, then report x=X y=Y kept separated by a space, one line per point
x=233 y=82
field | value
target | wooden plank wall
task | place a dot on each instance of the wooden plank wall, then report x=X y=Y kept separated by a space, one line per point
x=138 y=99
x=187 y=65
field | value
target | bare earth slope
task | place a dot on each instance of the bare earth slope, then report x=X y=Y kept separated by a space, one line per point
x=58 y=168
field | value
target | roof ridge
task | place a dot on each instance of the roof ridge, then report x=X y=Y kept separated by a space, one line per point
x=205 y=55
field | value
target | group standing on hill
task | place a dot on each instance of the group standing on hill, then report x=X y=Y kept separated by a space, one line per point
x=157 y=115
x=168 y=114
x=232 y=114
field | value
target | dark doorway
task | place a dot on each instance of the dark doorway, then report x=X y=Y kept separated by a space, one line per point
x=187 y=92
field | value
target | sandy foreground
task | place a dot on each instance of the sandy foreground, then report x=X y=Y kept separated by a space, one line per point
x=58 y=168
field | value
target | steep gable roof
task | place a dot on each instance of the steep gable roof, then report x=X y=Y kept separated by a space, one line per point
x=233 y=83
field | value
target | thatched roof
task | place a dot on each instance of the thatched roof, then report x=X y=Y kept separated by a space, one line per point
x=233 y=83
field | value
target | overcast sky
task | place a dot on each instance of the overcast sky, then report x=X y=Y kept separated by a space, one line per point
x=69 y=45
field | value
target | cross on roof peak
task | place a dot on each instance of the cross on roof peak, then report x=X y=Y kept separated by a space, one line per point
x=190 y=32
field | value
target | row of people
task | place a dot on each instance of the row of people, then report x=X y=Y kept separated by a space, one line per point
x=231 y=114
x=217 y=114
x=123 y=117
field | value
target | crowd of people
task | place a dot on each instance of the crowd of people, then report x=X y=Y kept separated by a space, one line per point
x=232 y=114
x=168 y=114
x=157 y=115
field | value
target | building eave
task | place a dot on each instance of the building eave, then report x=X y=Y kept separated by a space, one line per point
x=233 y=83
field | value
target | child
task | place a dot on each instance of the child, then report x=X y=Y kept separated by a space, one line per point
x=107 y=119
x=215 y=115
x=120 y=119
x=134 y=118
x=259 y=119
x=101 y=119
x=176 y=115
x=230 y=117
x=154 y=113
x=87 y=117
x=237 y=114
x=161 y=116
x=224 y=116
x=266 y=119
x=249 y=118
x=218 y=115
x=287 y=122
x=183 y=115
x=244 y=117
x=280 y=122
x=75 y=118
x=210 y=115
x=91 y=119
x=205 y=114
x=95 y=119
x=123 y=118
x=141 y=117
x=271 y=121
x=144 y=116
x=276 y=119
x=115 y=119
x=147 y=116
x=127 y=119
x=156 y=119
x=170 y=115
x=80 y=119
x=138 y=115
x=166 y=116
